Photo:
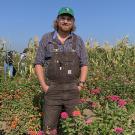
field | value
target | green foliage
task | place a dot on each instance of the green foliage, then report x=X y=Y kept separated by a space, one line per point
x=20 y=105
x=111 y=73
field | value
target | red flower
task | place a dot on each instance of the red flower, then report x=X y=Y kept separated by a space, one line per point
x=76 y=113
x=118 y=130
x=113 y=98
x=122 y=103
x=64 y=115
x=95 y=91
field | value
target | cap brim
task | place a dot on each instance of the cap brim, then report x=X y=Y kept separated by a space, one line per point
x=68 y=14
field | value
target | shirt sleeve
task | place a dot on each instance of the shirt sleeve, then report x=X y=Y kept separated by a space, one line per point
x=83 y=54
x=40 y=54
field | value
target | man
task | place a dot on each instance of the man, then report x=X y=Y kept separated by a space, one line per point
x=64 y=56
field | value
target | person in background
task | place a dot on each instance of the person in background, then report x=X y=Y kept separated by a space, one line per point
x=22 y=56
x=8 y=64
x=61 y=68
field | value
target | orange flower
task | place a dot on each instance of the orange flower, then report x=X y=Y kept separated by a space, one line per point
x=14 y=122
x=32 y=132
x=76 y=113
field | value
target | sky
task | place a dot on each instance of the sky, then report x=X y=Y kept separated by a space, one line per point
x=100 y=20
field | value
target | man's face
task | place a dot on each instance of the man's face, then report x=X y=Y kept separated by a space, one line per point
x=65 y=23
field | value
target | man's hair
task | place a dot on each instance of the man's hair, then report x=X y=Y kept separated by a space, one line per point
x=55 y=26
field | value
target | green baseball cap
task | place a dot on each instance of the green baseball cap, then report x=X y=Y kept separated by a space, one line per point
x=66 y=10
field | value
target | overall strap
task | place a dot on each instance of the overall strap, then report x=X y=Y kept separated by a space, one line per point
x=54 y=43
x=74 y=41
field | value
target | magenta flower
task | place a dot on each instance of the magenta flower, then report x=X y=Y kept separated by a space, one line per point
x=40 y=133
x=95 y=91
x=118 y=130
x=64 y=115
x=113 y=98
x=122 y=103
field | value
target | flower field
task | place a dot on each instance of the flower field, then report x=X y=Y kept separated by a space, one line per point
x=107 y=104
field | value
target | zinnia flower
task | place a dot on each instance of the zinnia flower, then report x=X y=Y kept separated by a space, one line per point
x=40 y=133
x=82 y=100
x=93 y=104
x=76 y=113
x=32 y=132
x=64 y=115
x=118 y=130
x=88 y=121
x=113 y=98
x=95 y=91
x=122 y=103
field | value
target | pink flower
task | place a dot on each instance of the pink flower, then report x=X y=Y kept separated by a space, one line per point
x=118 y=130
x=40 y=133
x=113 y=98
x=64 y=115
x=122 y=103
x=93 y=104
x=76 y=113
x=53 y=132
x=88 y=121
x=82 y=100
x=95 y=91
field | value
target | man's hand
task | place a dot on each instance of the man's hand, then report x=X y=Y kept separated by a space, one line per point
x=45 y=88
x=40 y=74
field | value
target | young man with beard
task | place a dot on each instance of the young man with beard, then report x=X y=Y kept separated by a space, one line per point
x=64 y=57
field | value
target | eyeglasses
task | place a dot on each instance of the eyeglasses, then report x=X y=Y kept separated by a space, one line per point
x=65 y=18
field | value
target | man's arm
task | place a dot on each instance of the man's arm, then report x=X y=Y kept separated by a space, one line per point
x=39 y=63
x=83 y=76
x=40 y=74
x=83 y=63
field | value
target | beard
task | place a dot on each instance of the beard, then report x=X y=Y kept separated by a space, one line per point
x=65 y=28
